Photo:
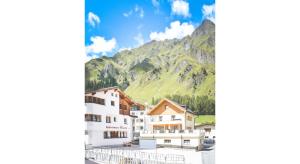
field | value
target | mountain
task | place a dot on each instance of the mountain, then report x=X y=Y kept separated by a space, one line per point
x=159 y=68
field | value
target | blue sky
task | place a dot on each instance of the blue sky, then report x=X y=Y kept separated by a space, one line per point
x=114 y=25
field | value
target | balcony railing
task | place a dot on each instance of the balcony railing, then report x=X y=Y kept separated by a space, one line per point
x=165 y=119
x=176 y=133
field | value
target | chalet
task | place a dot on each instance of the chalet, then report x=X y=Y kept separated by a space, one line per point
x=171 y=124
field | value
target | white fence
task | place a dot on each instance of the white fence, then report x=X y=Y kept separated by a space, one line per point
x=117 y=156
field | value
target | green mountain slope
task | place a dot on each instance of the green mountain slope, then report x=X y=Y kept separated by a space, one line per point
x=179 y=66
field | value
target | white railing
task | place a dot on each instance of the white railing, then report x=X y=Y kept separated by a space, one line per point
x=132 y=157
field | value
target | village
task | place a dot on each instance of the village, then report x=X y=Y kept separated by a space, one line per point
x=120 y=130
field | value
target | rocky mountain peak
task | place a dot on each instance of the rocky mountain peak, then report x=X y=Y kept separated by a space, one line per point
x=206 y=27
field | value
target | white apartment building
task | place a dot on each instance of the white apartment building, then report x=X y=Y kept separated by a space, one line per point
x=140 y=121
x=171 y=125
x=107 y=117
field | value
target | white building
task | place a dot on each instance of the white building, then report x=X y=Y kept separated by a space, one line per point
x=172 y=125
x=208 y=129
x=140 y=121
x=107 y=117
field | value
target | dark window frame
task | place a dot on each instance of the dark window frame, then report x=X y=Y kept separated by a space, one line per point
x=167 y=141
x=112 y=103
x=187 y=141
x=108 y=120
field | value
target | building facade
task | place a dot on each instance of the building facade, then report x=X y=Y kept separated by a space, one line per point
x=208 y=129
x=172 y=124
x=108 y=120
x=140 y=121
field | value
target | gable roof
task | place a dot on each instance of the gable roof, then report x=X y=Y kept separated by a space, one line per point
x=115 y=88
x=173 y=103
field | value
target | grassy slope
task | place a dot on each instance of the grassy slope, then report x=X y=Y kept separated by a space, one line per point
x=142 y=90
x=202 y=119
x=166 y=85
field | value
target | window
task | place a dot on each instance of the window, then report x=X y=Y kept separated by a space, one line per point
x=94 y=118
x=186 y=141
x=106 y=135
x=107 y=119
x=141 y=120
x=112 y=94
x=141 y=128
x=116 y=95
x=160 y=118
x=125 y=121
x=96 y=100
x=100 y=101
x=207 y=129
x=189 y=118
x=98 y=118
x=90 y=99
x=88 y=117
x=173 y=117
x=142 y=113
x=112 y=103
x=115 y=119
x=114 y=134
x=167 y=141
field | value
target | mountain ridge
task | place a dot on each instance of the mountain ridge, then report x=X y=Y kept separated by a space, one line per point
x=159 y=68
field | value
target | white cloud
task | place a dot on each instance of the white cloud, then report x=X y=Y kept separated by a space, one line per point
x=180 y=7
x=176 y=30
x=127 y=14
x=124 y=48
x=139 y=38
x=156 y=5
x=208 y=12
x=100 y=45
x=93 y=19
x=137 y=9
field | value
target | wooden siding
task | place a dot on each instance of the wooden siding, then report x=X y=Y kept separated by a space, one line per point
x=166 y=108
